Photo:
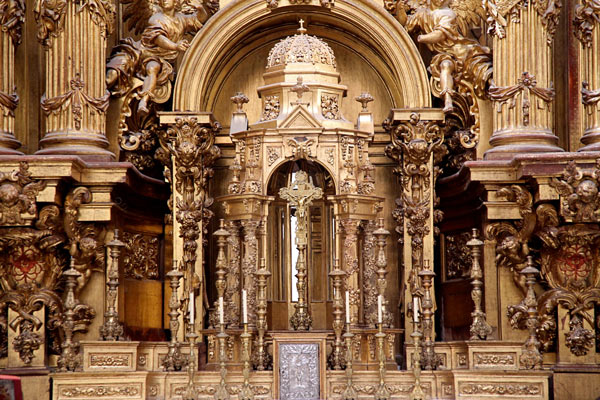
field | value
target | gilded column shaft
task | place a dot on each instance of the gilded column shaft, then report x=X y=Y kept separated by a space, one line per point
x=587 y=30
x=11 y=21
x=522 y=89
x=75 y=99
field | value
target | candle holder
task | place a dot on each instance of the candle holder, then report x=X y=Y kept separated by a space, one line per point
x=262 y=274
x=337 y=356
x=382 y=392
x=221 y=264
x=174 y=361
x=480 y=329
x=70 y=359
x=381 y=234
x=531 y=358
x=417 y=392
x=246 y=392
x=112 y=329
x=430 y=359
x=222 y=393
x=349 y=393
x=190 y=391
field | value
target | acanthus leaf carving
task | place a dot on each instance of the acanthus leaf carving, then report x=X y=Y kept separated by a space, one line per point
x=140 y=255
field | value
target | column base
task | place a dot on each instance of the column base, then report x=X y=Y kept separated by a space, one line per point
x=591 y=140
x=9 y=145
x=88 y=146
x=507 y=144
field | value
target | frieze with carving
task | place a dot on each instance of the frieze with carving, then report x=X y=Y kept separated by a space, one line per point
x=110 y=360
x=99 y=391
x=140 y=256
x=500 y=389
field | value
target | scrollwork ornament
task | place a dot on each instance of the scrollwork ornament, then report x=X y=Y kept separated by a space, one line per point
x=103 y=13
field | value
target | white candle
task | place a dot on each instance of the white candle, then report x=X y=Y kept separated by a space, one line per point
x=244 y=307
x=221 y=312
x=415 y=309
x=379 y=309
x=192 y=308
x=347 y=307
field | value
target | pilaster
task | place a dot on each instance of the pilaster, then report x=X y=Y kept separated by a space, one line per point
x=75 y=101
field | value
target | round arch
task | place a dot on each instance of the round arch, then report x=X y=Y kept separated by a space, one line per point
x=242 y=26
x=316 y=166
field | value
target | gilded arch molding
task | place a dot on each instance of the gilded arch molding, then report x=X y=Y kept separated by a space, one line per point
x=399 y=61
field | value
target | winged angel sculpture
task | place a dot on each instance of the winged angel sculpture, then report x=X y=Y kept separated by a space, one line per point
x=445 y=27
x=142 y=69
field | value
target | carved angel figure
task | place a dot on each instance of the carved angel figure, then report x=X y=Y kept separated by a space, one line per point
x=163 y=24
x=445 y=25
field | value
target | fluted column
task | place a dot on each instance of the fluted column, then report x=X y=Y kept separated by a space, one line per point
x=522 y=88
x=75 y=101
x=11 y=23
x=587 y=30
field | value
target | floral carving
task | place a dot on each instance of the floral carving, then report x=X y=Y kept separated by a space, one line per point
x=499 y=389
x=140 y=257
x=273 y=154
x=12 y=17
x=587 y=15
x=77 y=98
x=526 y=86
x=579 y=340
x=27 y=342
x=103 y=13
x=579 y=192
x=301 y=148
x=18 y=192
x=95 y=391
x=271 y=108
x=329 y=106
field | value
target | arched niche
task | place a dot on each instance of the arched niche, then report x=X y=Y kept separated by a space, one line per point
x=361 y=32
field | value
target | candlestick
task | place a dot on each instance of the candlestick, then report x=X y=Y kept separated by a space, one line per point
x=416 y=309
x=221 y=311
x=379 y=309
x=244 y=307
x=347 y=307
x=192 y=311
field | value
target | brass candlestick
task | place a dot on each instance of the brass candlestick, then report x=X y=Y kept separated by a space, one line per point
x=246 y=392
x=531 y=358
x=417 y=392
x=301 y=319
x=222 y=393
x=337 y=275
x=190 y=391
x=221 y=265
x=381 y=234
x=70 y=359
x=112 y=329
x=480 y=329
x=174 y=361
x=261 y=313
x=382 y=392
x=349 y=392
x=430 y=360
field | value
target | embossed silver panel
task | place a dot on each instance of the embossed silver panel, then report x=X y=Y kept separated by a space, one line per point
x=299 y=371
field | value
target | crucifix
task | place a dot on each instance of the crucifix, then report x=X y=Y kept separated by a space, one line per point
x=300 y=194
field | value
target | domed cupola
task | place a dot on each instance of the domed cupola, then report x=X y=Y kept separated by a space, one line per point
x=301 y=78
